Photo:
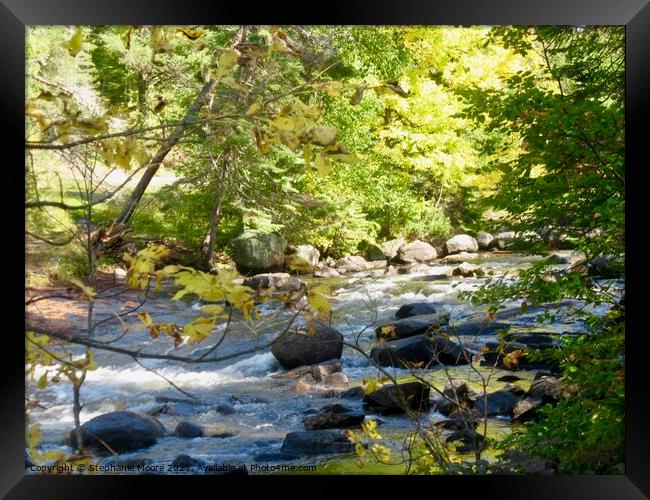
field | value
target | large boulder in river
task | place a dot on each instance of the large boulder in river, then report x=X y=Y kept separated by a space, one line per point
x=414 y=325
x=334 y=417
x=391 y=247
x=255 y=251
x=415 y=309
x=416 y=251
x=396 y=399
x=606 y=267
x=484 y=239
x=122 y=431
x=502 y=240
x=305 y=255
x=281 y=282
x=308 y=348
x=429 y=352
x=351 y=263
x=461 y=243
x=467 y=270
x=499 y=402
x=317 y=442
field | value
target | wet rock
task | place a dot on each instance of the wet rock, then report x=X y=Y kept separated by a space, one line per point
x=509 y=378
x=416 y=251
x=545 y=389
x=461 y=243
x=337 y=379
x=456 y=425
x=391 y=247
x=536 y=340
x=416 y=309
x=418 y=267
x=223 y=435
x=571 y=258
x=353 y=393
x=318 y=372
x=324 y=271
x=499 y=402
x=334 y=417
x=467 y=270
x=411 y=326
x=300 y=348
x=281 y=282
x=351 y=264
x=606 y=267
x=470 y=440
x=317 y=442
x=456 y=395
x=484 y=239
x=460 y=257
x=391 y=271
x=472 y=328
x=122 y=431
x=396 y=399
x=420 y=349
x=225 y=409
x=187 y=429
x=185 y=461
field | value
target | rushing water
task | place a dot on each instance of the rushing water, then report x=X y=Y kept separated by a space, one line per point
x=265 y=409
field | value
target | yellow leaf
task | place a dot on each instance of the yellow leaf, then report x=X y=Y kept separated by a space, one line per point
x=323 y=165
x=75 y=43
x=199 y=329
x=180 y=294
x=254 y=108
x=192 y=34
x=306 y=154
x=369 y=385
x=125 y=36
x=42 y=381
x=226 y=62
x=212 y=309
x=145 y=318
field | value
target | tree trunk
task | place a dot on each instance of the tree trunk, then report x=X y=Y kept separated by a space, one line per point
x=210 y=237
x=154 y=163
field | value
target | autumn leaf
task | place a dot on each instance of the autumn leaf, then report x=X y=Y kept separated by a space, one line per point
x=254 y=108
x=145 y=318
x=323 y=164
x=75 y=43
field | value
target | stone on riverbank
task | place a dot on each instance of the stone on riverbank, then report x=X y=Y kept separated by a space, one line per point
x=461 y=243
x=302 y=348
x=317 y=442
x=254 y=251
x=416 y=309
x=187 y=429
x=396 y=399
x=122 y=431
x=421 y=350
x=411 y=326
x=416 y=251
x=334 y=417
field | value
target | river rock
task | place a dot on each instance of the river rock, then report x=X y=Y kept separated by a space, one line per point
x=476 y=327
x=188 y=430
x=353 y=393
x=494 y=357
x=416 y=309
x=456 y=395
x=484 y=239
x=470 y=440
x=255 y=251
x=545 y=389
x=351 y=264
x=461 y=243
x=414 y=325
x=431 y=352
x=306 y=254
x=317 y=442
x=334 y=417
x=467 y=270
x=324 y=271
x=500 y=402
x=391 y=247
x=395 y=399
x=301 y=348
x=416 y=251
x=318 y=372
x=460 y=257
x=502 y=240
x=122 y=431
x=417 y=267
x=605 y=267
x=185 y=462
x=281 y=282
x=372 y=252
x=391 y=271
x=456 y=425
x=225 y=409
x=572 y=258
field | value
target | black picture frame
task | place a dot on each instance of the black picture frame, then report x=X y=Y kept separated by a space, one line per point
x=634 y=14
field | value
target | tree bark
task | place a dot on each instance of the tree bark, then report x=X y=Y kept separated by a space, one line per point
x=155 y=162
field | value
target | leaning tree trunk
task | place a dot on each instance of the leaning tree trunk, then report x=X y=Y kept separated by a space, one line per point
x=210 y=237
x=125 y=217
x=155 y=162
